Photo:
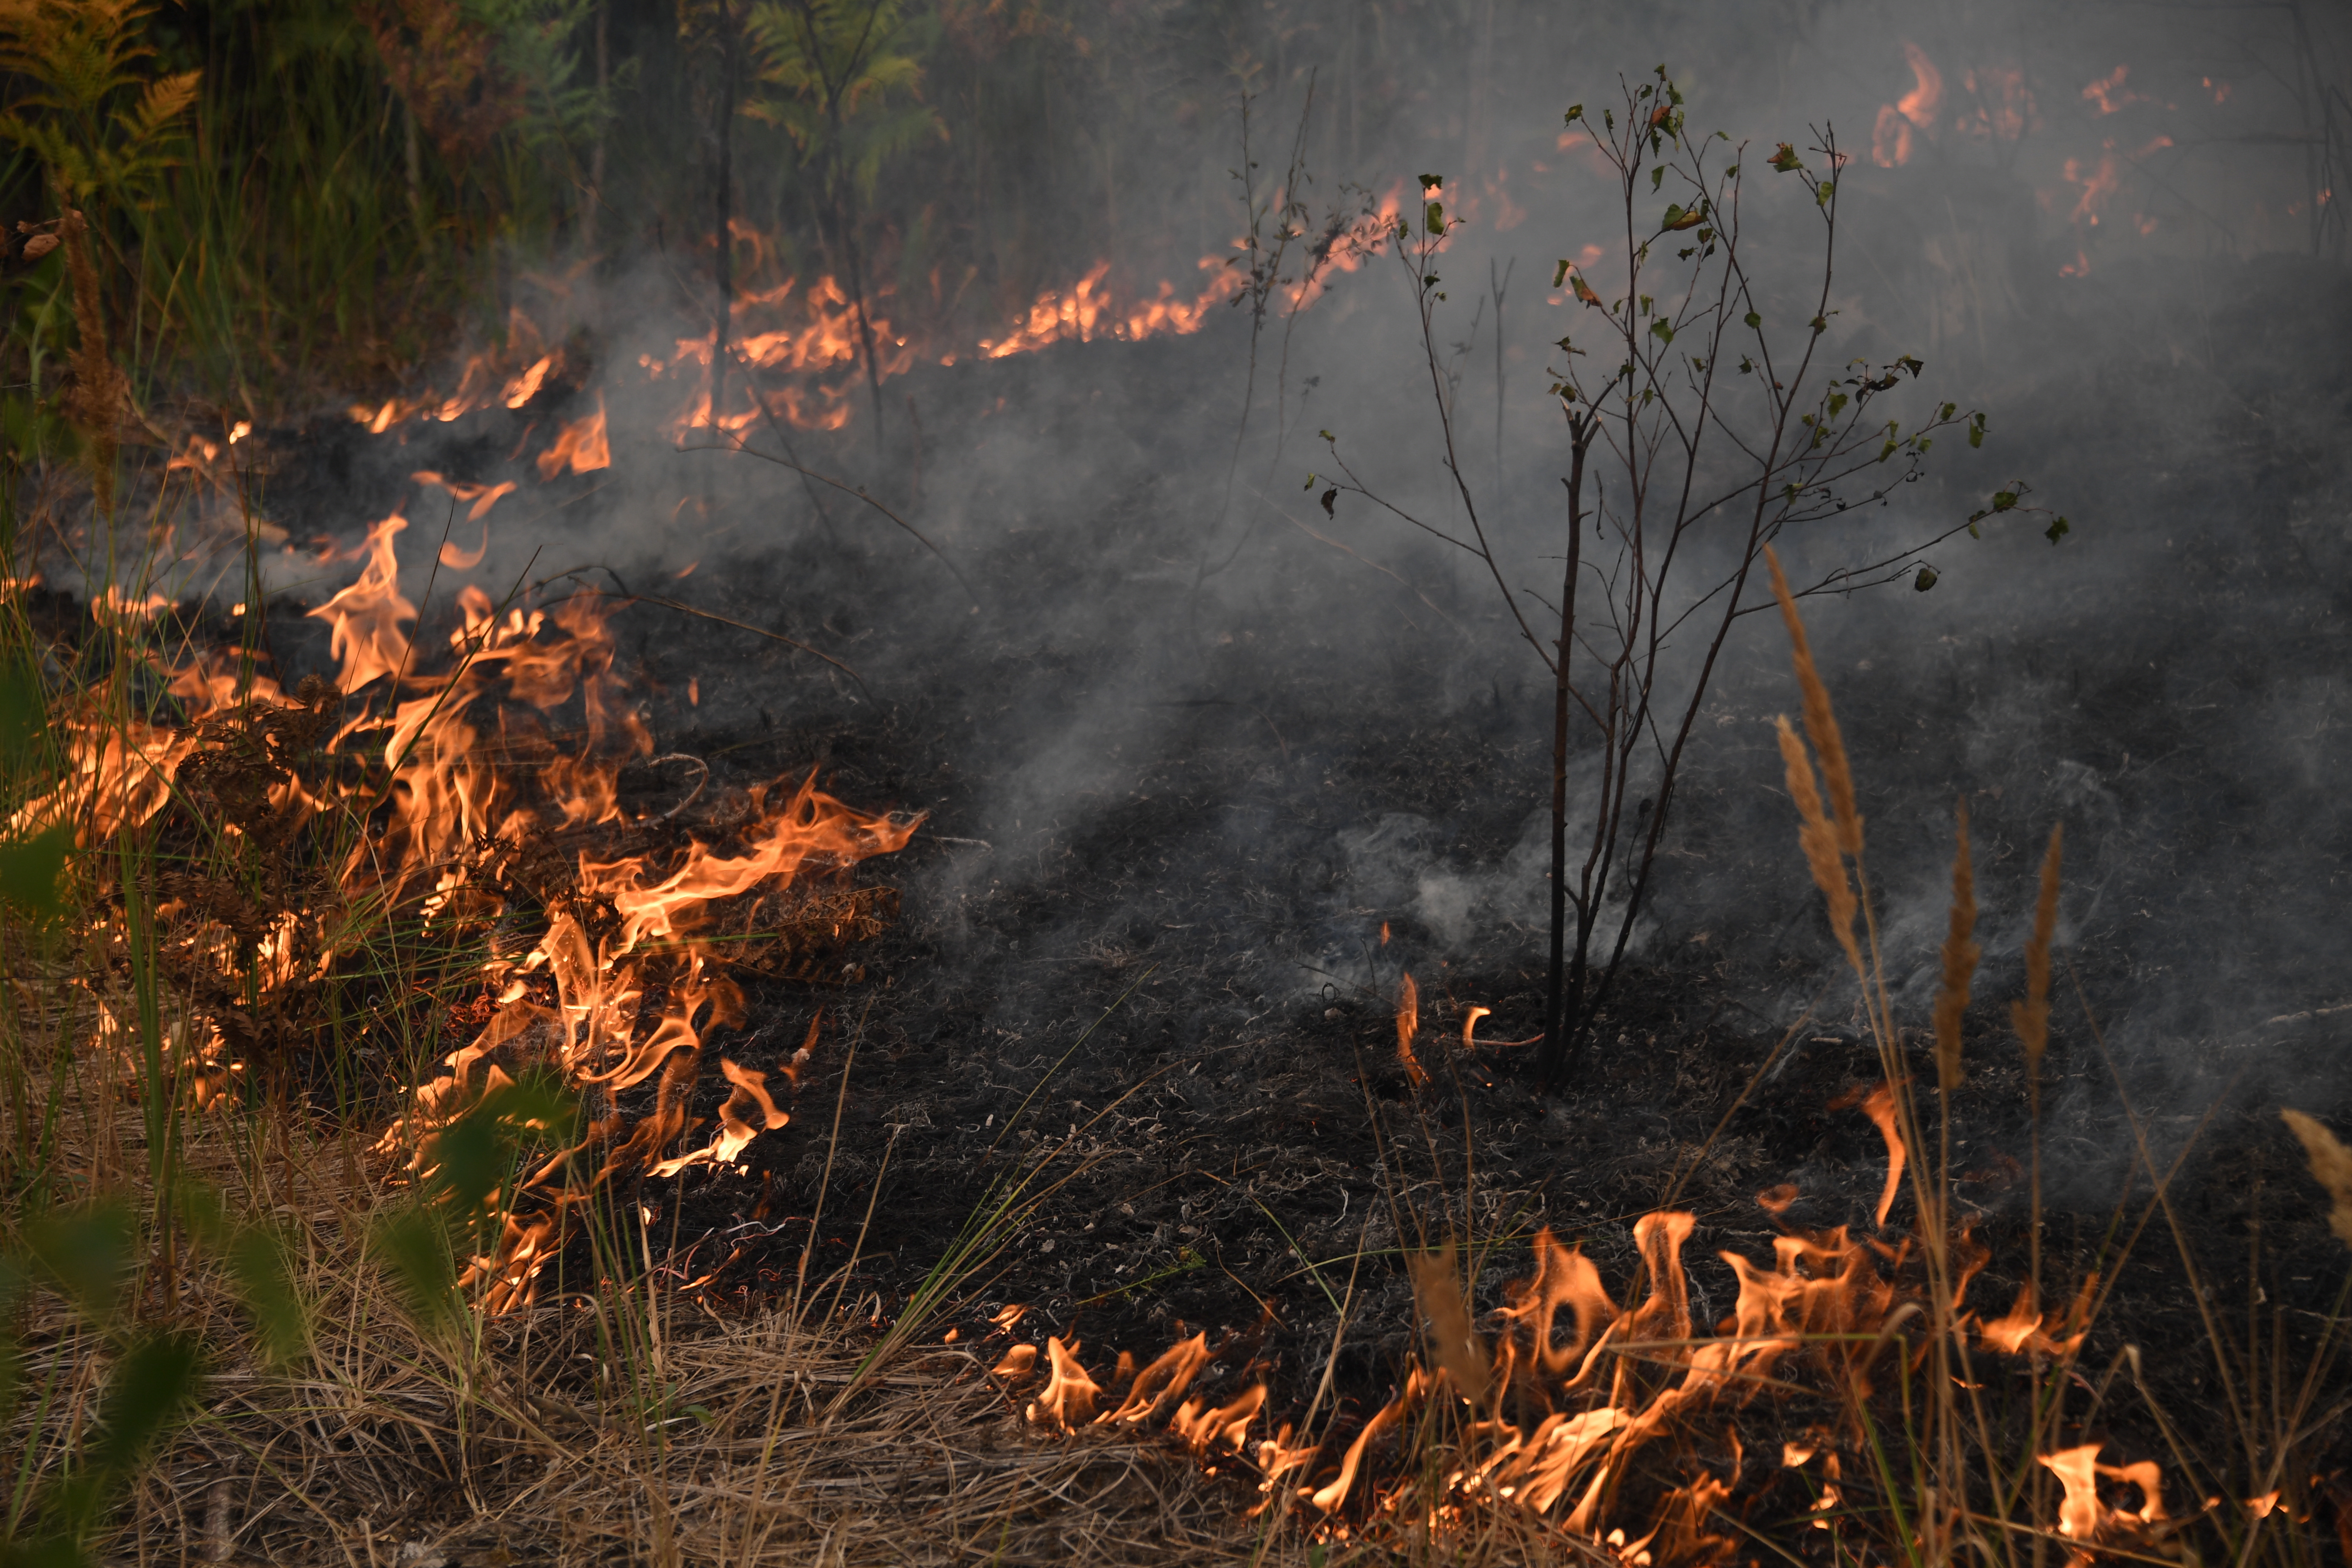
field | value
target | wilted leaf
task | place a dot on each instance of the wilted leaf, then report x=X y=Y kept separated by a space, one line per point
x=1329 y=497
x=1786 y=159
x=1583 y=290
x=1676 y=220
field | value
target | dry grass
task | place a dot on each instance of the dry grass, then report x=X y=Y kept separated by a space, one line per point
x=532 y=1438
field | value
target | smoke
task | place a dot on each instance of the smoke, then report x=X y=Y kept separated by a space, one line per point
x=2113 y=229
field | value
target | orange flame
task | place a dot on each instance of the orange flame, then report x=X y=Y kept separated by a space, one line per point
x=1408 y=1024
x=1890 y=138
x=579 y=446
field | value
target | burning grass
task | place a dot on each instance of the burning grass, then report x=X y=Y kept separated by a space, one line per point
x=403 y=969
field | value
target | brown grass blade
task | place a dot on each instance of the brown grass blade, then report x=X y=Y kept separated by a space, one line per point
x=2030 y=1017
x=1960 y=955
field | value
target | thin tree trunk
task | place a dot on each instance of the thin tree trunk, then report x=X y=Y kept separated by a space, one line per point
x=1558 y=1002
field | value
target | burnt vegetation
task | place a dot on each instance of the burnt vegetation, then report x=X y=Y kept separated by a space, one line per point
x=705 y=858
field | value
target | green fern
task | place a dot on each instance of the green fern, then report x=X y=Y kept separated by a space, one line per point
x=102 y=126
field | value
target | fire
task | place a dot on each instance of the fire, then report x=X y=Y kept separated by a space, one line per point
x=1088 y=311
x=798 y=353
x=2109 y=94
x=579 y=446
x=1573 y=1388
x=2081 y=1515
x=1890 y=141
x=1408 y=1025
x=447 y=752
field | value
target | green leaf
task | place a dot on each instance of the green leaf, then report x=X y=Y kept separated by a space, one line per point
x=23 y=715
x=1657 y=176
x=1786 y=159
x=1753 y=320
x=258 y=1261
x=417 y=1249
x=147 y=1389
x=1431 y=181
x=1559 y=273
x=1926 y=580
x=2056 y=530
x=1435 y=217
x=1664 y=333
x=88 y=1254
x=1575 y=112
x=30 y=869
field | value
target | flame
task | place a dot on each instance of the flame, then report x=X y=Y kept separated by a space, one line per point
x=2109 y=93
x=1408 y=1024
x=1567 y=1410
x=579 y=446
x=1880 y=1108
x=1070 y=1396
x=2081 y=1515
x=1890 y=138
x=813 y=336
x=434 y=750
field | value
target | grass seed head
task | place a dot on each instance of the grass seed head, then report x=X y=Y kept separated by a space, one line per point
x=2331 y=1162
x=1821 y=723
x=1820 y=843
